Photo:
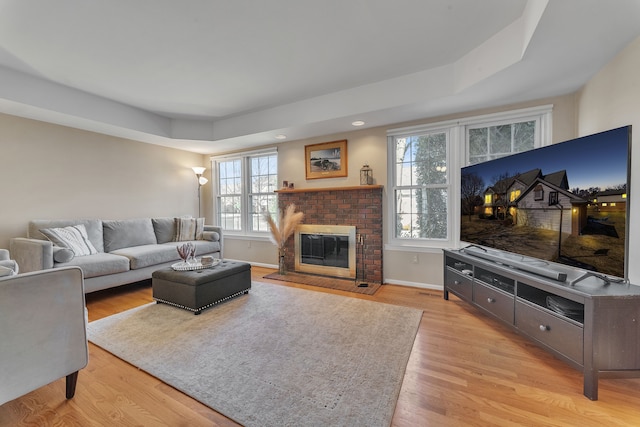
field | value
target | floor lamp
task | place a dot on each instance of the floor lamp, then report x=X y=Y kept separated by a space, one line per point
x=199 y=170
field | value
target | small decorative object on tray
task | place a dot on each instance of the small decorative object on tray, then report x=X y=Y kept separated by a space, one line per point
x=206 y=260
x=187 y=252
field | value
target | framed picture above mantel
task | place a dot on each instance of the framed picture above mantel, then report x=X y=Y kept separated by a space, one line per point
x=326 y=160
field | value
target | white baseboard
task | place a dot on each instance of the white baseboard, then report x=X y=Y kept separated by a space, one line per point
x=414 y=284
x=256 y=264
x=386 y=281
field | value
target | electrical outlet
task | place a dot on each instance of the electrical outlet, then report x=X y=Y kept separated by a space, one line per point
x=248 y=243
x=415 y=259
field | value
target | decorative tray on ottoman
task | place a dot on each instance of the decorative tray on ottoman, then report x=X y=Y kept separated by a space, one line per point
x=185 y=266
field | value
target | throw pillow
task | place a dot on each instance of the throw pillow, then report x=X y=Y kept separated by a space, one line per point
x=212 y=236
x=62 y=254
x=6 y=271
x=73 y=237
x=189 y=229
x=165 y=229
x=126 y=233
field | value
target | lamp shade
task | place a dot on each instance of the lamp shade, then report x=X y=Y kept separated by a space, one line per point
x=202 y=180
x=198 y=170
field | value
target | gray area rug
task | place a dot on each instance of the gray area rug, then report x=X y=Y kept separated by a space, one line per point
x=278 y=356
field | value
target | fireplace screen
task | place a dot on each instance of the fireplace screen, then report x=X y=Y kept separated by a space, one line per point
x=327 y=250
x=324 y=249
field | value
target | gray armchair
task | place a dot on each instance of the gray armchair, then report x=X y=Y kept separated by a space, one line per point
x=42 y=330
x=8 y=267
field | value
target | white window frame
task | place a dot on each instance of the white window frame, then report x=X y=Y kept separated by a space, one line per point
x=458 y=156
x=406 y=241
x=245 y=217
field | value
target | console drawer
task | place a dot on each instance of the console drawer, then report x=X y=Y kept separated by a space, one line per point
x=459 y=284
x=494 y=301
x=561 y=335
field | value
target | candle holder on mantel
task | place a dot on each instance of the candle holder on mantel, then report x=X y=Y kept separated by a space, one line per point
x=366 y=175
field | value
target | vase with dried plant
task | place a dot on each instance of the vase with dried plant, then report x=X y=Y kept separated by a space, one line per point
x=281 y=231
x=187 y=253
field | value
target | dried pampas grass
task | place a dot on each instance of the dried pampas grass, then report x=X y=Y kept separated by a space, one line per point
x=289 y=220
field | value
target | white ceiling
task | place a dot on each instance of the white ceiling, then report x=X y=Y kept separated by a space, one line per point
x=217 y=75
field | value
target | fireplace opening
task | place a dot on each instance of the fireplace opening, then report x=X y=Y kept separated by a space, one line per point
x=328 y=250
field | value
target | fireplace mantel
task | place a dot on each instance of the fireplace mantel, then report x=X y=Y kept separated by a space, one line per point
x=311 y=190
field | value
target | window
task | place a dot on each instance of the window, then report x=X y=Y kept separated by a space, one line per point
x=494 y=141
x=538 y=193
x=229 y=200
x=244 y=190
x=263 y=181
x=424 y=164
x=421 y=185
x=514 y=195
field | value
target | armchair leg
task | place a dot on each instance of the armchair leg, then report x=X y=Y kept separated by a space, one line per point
x=72 y=379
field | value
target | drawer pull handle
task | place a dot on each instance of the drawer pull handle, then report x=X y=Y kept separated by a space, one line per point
x=544 y=328
x=490 y=300
x=455 y=282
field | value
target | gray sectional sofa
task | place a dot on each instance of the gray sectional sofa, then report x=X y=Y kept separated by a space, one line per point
x=126 y=251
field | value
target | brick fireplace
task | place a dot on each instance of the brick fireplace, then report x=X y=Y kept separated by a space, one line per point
x=360 y=207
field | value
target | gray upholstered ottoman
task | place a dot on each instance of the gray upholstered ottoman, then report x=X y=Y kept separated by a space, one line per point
x=200 y=289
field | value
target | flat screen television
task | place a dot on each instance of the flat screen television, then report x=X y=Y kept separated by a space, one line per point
x=566 y=203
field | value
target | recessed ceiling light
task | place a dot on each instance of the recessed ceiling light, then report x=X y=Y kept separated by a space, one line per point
x=358 y=123
x=281 y=136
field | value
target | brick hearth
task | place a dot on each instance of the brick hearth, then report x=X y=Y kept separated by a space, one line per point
x=357 y=206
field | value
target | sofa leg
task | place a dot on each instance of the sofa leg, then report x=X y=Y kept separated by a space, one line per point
x=72 y=379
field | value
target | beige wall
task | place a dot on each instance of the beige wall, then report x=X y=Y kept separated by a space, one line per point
x=612 y=99
x=363 y=146
x=50 y=171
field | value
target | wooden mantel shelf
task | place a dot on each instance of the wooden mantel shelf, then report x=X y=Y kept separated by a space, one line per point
x=310 y=190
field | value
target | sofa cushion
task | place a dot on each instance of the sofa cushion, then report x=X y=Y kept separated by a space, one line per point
x=127 y=233
x=146 y=255
x=189 y=229
x=99 y=264
x=202 y=247
x=93 y=227
x=73 y=237
x=165 y=229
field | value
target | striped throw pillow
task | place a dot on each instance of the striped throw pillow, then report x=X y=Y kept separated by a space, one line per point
x=188 y=229
x=73 y=237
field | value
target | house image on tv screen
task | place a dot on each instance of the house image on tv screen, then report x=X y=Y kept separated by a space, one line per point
x=536 y=200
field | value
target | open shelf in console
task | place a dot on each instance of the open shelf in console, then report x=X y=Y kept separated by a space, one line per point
x=495 y=280
x=460 y=266
x=560 y=306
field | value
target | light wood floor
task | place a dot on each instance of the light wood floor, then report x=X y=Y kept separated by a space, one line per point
x=465 y=369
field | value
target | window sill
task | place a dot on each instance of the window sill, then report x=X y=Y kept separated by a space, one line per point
x=412 y=247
